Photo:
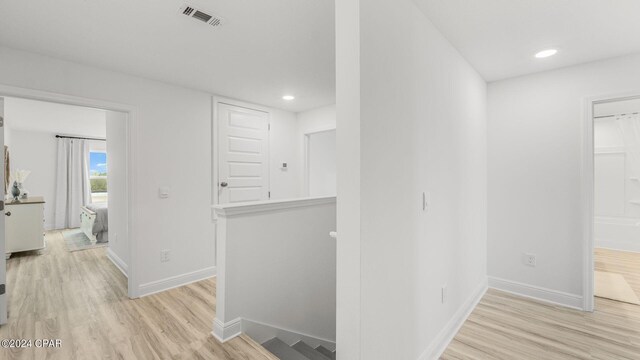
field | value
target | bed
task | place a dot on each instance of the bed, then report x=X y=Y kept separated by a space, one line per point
x=94 y=222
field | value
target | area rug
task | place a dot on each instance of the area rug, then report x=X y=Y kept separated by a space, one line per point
x=615 y=287
x=76 y=240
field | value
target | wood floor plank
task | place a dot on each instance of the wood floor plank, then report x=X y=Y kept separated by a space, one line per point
x=505 y=326
x=81 y=298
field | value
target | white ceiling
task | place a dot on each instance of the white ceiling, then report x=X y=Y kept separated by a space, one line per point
x=264 y=49
x=31 y=115
x=500 y=37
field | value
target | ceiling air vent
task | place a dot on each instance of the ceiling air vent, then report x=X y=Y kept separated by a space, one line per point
x=197 y=14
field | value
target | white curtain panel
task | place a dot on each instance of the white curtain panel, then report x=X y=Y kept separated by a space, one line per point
x=73 y=189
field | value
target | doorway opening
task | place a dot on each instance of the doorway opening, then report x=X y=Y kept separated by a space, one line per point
x=320 y=163
x=67 y=205
x=615 y=201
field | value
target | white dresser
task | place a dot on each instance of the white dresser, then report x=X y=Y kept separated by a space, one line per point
x=24 y=225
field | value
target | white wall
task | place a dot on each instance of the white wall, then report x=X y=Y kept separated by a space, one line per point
x=283 y=148
x=36 y=151
x=117 y=193
x=535 y=200
x=277 y=266
x=33 y=115
x=321 y=159
x=422 y=127
x=317 y=119
x=172 y=146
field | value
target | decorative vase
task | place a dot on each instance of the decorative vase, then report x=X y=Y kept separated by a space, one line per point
x=15 y=191
x=23 y=191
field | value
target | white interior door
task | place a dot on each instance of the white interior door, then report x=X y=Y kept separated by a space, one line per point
x=243 y=154
x=3 y=261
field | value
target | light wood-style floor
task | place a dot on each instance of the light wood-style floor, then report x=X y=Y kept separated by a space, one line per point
x=626 y=264
x=504 y=326
x=81 y=298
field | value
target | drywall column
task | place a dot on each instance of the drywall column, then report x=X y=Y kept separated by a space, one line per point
x=348 y=341
x=411 y=119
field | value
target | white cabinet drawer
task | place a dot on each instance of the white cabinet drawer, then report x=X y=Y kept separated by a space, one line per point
x=24 y=228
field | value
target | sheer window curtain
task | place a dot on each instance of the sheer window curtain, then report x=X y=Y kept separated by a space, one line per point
x=73 y=189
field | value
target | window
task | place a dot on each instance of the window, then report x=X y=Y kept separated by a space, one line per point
x=98 y=176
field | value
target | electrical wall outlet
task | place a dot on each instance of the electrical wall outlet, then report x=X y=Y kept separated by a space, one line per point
x=163 y=192
x=530 y=260
x=443 y=293
x=164 y=255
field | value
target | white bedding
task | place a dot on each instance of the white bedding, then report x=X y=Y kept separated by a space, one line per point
x=94 y=222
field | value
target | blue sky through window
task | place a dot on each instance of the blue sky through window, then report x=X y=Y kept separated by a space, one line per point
x=98 y=163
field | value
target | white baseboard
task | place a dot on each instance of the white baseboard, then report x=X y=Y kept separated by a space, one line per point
x=226 y=331
x=440 y=343
x=537 y=293
x=621 y=245
x=261 y=332
x=176 y=281
x=117 y=261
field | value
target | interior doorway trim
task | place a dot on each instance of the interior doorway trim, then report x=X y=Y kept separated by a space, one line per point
x=306 y=137
x=588 y=191
x=17 y=92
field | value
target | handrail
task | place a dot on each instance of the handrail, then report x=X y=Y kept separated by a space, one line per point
x=227 y=210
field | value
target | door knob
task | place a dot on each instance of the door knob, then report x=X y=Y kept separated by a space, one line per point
x=224 y=184
x=8 y=213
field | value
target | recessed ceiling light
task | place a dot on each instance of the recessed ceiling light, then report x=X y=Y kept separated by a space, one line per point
x=288 y=97
x=546 y=53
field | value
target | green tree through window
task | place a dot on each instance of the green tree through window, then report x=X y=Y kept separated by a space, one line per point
x=98 y=172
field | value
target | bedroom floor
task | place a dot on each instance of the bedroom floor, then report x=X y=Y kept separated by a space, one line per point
x=623 y=263
x=81 y=298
